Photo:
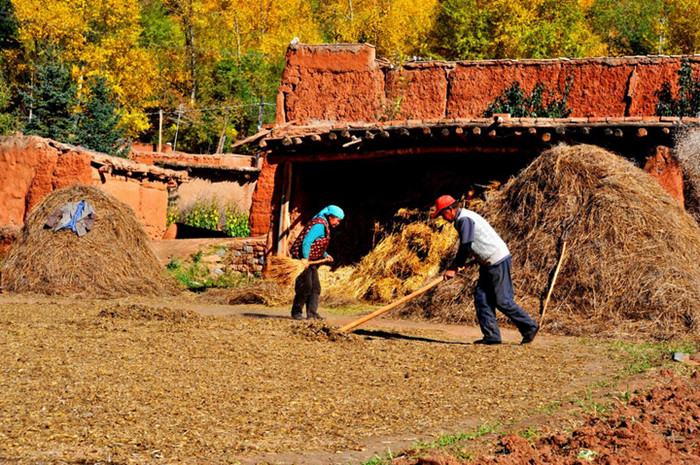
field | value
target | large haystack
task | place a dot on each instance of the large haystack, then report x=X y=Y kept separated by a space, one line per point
x=633 y=254
x=113 y=259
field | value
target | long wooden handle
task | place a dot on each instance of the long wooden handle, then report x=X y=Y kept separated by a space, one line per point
x=554 y=280
x=376 y=313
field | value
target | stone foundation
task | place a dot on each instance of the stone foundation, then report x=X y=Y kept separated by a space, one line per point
x=232 y=255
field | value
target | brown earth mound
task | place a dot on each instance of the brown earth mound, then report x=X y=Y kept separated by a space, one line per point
x=113 y=259
x=661 y=427
x=633 y=254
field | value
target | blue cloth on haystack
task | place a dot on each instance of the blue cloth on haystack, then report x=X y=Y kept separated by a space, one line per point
x=79 y=217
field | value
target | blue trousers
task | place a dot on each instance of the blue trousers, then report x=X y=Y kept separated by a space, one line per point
x=494 y=289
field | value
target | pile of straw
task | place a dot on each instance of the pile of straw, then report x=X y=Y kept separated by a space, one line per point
x=401 y=262
x=113 y=259
x=264 y=292
x=633 y=261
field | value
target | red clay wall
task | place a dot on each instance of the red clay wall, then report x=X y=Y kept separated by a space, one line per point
x=346 y=83
x=330 y=83
x=31 y=167
x=664 y=167
x=229 y=161
x=263 y=196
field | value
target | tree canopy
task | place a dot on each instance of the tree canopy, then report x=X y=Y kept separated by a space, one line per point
x=213 y=66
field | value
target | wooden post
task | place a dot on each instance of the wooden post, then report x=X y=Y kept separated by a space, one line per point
x=284 y=221
x=160 y=130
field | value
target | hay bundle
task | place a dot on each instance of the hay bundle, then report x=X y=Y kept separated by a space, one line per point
x=634 y=254
x=401 y=262
x=113 y=259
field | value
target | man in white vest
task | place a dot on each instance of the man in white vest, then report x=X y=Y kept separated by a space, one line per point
x=494 y=288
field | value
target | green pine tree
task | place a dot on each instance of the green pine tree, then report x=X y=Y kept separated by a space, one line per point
x=51 y=101
x=8 y=26
x=99 y=126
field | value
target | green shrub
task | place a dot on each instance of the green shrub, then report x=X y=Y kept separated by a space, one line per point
x=208 y=214
x=535 y=105
x=204 y=214
x=236 y=223
x=688 y=101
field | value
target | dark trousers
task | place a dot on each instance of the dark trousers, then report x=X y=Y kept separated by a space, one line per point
x=494 y=289
x=307 y=290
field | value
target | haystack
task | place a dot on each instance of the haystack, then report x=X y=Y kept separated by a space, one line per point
x=113 y=259
x=633 y=261
x=400 y=263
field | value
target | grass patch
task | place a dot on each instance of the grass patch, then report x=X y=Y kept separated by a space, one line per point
x=454 y=444
x=530 y=433
x=195 y=275
x=637 y=358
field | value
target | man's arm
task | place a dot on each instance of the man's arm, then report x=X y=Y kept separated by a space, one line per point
x=465 y=228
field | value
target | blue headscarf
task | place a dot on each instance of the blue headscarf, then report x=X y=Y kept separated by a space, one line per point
x=331 y=210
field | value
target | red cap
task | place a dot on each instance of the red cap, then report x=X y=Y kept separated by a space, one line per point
x=442 y=203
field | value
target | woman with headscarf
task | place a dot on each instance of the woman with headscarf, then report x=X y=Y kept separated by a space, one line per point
x=311 y=245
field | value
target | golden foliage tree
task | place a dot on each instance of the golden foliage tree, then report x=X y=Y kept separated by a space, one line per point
x=95 y=37
x=397 y=28
x=683 y=27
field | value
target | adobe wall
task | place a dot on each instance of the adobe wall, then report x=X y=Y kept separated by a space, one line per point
x=346 y=83
x=31 y=167
x=228 y=188
x=264 y=199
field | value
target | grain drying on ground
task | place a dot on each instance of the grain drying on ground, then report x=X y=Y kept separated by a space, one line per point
x=105 y=381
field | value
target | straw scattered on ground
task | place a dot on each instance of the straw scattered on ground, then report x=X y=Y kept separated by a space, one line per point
x=113 y=259
x=81 y=387
x=262 y=292
x=633 y=254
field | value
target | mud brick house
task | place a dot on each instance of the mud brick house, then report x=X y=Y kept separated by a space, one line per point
x=371 y=137
x=31 y=167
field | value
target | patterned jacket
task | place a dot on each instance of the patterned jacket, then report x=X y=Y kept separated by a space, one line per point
x=318 y=246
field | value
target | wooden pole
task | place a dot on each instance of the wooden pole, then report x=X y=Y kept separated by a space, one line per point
x=376 y=313
x=554 y=280
x=160 y=130
x=284 y=220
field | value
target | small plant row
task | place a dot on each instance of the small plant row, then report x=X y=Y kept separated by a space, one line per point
x=208 y=215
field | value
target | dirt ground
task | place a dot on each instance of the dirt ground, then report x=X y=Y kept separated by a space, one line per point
x=660 y=425
x=137 y=381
